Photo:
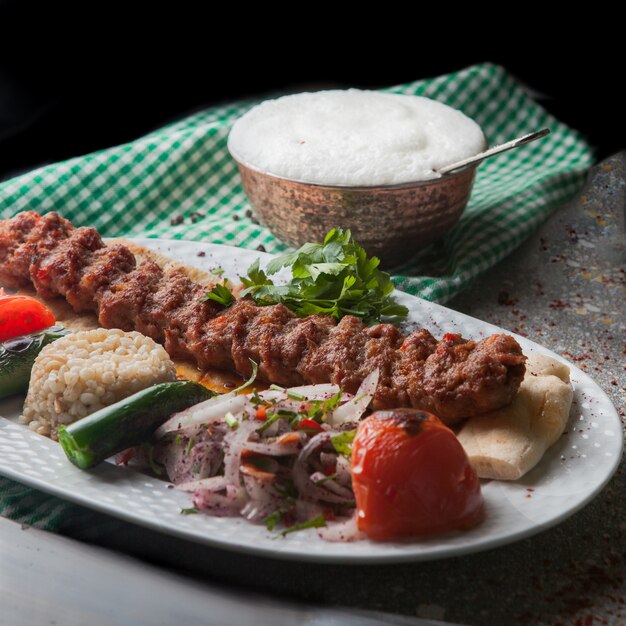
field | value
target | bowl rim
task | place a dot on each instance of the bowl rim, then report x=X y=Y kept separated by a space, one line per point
x=411 y=184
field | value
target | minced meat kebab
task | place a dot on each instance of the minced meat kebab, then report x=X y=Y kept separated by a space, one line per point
x=454 y=377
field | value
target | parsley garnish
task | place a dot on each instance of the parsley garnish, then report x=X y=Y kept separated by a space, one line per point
x=334 y=278
x=321 y=409
x=190 y=444
x=190 y=511
x=257 y=401
x=343 y=442
x=272 y=519
x=316 y=522
x=271 y=418
x=220 y=294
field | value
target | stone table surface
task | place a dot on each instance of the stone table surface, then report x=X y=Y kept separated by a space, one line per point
x=564 y=288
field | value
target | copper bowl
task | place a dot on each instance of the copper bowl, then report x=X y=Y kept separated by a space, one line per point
x=390 y=221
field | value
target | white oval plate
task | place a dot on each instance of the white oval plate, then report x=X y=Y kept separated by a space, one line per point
x=571 y=473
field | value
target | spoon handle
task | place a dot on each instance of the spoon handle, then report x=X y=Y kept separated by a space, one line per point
x=509 y=145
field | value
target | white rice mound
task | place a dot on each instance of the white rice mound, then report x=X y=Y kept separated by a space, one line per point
x=354 y=137
x=86 y=371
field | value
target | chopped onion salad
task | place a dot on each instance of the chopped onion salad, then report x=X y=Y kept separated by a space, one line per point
x=279 y=457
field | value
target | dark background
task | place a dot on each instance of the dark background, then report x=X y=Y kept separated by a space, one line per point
x=71 y=84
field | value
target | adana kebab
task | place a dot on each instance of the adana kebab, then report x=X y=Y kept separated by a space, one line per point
x=454 y=377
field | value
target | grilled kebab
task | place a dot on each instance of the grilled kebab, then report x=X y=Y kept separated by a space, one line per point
x=453 y=377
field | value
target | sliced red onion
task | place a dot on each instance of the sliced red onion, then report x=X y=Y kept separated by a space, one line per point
x=316 y=392
x=291 y=405
x=276 y=448
x=192 y=454
x=221 y=505
x=235 y=441
x=351 y=411
x=173 y=458
x=255 y=496
x=343 y=471
x=328 y=458
x=263 y=499
x=342 y=530
x=272 y=395
x=205 y=412
x=215 y=483
x=319 y=478
x=307 y=510
x=307 y=489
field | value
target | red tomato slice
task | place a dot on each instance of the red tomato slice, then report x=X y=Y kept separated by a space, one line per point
x=20 y=315
x=412 y=477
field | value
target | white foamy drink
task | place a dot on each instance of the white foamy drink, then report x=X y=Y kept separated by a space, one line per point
x=354 y=137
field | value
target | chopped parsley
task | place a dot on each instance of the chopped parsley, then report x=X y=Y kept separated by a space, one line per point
x=316 y=522
x=192 y=510
x=334 y=278
x=343 y=442
x=320 y=410
x=257 y=401
x=190 y=444
x=272 y=520
x=271 y=418
x=220 y=294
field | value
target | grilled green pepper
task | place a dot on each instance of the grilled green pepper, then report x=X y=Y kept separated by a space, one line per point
x=17 y=356
x=127 y=423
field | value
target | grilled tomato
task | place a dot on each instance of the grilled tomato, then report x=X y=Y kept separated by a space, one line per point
x=411 y=477
x=21 y=315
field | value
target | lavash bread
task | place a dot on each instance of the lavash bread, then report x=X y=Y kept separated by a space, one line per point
x=506 y=443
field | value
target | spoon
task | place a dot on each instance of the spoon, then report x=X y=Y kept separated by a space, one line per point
x=509 y=145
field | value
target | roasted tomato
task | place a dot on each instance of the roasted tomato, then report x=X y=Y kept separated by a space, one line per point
x=20 y=315
x=411 y=477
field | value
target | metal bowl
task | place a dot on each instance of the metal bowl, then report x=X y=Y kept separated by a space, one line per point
x=390 y=221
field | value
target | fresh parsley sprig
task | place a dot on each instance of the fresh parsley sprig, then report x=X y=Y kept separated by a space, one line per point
x=316 y=522
x=334 y=278
x=343 y=442
x=221 y=294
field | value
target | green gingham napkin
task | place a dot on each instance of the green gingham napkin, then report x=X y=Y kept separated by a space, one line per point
x=184 y=169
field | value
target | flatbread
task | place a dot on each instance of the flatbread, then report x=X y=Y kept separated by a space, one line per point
x=142 y=253
x=506 y=443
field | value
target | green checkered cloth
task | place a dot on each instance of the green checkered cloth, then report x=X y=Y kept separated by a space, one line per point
x=184 y=169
